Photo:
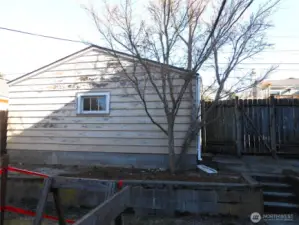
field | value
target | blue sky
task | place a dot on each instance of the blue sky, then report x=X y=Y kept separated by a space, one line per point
x=66 y=18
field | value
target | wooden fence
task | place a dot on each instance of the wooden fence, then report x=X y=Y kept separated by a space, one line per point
x=252 y=126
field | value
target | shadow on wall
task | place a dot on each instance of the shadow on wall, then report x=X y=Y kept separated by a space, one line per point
x=44 y=126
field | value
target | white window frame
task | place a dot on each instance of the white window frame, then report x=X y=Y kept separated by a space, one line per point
x=80 y=103
x=275 y=90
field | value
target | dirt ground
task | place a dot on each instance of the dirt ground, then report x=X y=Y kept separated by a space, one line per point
x=116 y=173
x=108 y=173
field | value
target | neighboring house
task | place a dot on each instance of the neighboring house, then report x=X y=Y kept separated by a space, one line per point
x=278 y=88
x=288 y=87
x=80 y=110
x=3 y=94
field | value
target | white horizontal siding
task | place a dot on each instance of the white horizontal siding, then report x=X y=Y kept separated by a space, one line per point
x=43 y=111
x=67 y=100
x=91 y=148
x=92 y=119
x=71 y=113
x=92 y=86
x=27 y=106
x=72 y=93
x=94 y=141
x=138 y=128
x=154 y=134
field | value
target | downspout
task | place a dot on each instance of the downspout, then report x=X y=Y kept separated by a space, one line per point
x=198 y=139
x=200 y=166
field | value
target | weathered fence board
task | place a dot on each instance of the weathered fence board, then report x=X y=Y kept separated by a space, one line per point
x=252 y=126
x=108 y=210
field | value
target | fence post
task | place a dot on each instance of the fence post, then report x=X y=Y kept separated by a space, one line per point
x=4 y=159
x=203 y=126
x=238 y=127
x=272 y=125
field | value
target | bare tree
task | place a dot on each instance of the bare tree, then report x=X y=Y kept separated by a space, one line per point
x=187 y=34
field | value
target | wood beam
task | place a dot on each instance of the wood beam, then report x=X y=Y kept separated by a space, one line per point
x=108 y=210
x=42 y=202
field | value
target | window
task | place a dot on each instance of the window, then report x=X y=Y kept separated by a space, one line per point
x=275 y=92
x=93 y=103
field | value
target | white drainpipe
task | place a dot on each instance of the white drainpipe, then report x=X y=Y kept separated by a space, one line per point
x=198 y=141
x=198 y=85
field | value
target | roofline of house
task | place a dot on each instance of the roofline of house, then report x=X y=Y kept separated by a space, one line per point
x=134 y=57
x=123 y=54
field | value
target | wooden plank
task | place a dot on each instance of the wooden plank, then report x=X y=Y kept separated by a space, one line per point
x=252 y=182
x=238 y=128
x=96 y=119
x=72 y=99
x=94 y=141
x=92 y=56
x=256 y=131
x=80 y=183
x=204 y=127
x=101 y=78
x=97 y=65
x=96 y=83
x=93 y=184
x=4 y=161
x=108 y=210
x=148 y=134
x=95 y=148
x=72 y=93
x=93 y=127
x=92 y=86
x=114 y=112
x=112 y=66
x=58 y=206
x=72 y=106
x=3 y=131
x=272 y=125
x=4 y=165
x=42 y=201
x=87 y=72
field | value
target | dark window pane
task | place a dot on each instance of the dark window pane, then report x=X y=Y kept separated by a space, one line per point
x=102 y=102
x=86 y=104
x=94 y=105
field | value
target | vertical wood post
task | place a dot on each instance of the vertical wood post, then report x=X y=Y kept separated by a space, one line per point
x=58 y=206
x=118 y=220
x=4 y=161
x=238 y=127
x=203 y=126
x=42 y=201
x=273 y=126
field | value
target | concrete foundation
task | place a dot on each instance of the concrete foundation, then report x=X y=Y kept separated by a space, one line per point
x=145 y=161
x=225 y=199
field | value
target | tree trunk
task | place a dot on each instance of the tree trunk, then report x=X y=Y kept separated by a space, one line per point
x=171 y=152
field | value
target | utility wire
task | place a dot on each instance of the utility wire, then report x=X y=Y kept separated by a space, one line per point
x=249 y=68
x=44 y=36
x=83 y=42
x=285 y=36
x=259 y=63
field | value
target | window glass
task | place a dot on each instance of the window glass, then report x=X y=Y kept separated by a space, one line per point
x=102 y=102
x=93 y=103
x=86 y=103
